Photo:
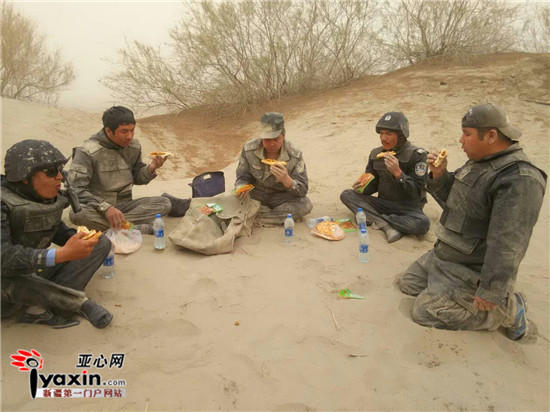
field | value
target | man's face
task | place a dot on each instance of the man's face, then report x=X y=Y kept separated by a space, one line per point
x=474 y=148
x=47 y=182
x=123 y=134
x=388 y=138
x=273 y=145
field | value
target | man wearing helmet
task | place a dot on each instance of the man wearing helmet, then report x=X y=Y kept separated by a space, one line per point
x=47 y=282
x=104 y=170
x=399 y=170
x=490 y=205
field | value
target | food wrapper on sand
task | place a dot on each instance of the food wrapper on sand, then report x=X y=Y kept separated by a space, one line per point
x=328 y=230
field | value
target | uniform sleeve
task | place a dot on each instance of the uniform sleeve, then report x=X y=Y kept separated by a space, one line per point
x=413 y=179
x=141 y=173
x=80 y=175
x=243 y=172
x=439 y=188
x=18 y=259
x=516 y=203
x=300 y=183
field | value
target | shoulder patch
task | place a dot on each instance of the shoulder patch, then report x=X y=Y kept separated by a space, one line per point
x=420 y=151
x=420 y=168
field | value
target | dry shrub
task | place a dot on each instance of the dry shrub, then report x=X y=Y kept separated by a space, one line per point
x=28 y=70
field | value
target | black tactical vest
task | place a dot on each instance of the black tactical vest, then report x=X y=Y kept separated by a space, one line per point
x=33 y=224
x=466 y=216
x=390 y=188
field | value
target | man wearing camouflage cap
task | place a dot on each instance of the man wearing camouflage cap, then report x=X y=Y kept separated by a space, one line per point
x=281 y=189
x=104 y=170
x=490 y=206
x=47 y=282
x=399 y=180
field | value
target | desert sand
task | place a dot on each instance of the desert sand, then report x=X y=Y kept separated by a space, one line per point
x=297 y=345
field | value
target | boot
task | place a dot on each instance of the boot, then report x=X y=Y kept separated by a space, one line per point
x=179 y=206
x=392 y=235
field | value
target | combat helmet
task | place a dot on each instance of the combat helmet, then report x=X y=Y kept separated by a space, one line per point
x=395 y=121
x=24 y=157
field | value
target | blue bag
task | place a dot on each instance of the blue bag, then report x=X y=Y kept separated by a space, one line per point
x=208 y=184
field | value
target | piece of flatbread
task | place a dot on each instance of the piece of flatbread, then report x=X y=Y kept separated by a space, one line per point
x=383 y=154
x=440 y=157
x=273 y=162
x=161 y=154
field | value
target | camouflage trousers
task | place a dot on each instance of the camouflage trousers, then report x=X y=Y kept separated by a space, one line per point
x=402 y=218
x=137 y=211
x=276 y=206
x=59 y=287
x=445 y=294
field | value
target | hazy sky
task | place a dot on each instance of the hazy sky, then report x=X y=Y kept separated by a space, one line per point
x=89 y=33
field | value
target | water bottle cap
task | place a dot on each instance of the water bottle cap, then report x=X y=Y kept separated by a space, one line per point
x=289 y=215
x=360 y=209
x=158 y=215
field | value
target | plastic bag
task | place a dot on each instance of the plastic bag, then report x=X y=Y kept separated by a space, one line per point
x=125 y=241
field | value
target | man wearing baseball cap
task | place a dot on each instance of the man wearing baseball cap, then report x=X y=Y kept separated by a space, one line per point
x=281 y=188
x=490 y=206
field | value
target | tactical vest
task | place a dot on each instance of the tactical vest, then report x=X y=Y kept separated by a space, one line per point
x=466 y=216
x=113 y=179
x=390 y=188
x=33 y=224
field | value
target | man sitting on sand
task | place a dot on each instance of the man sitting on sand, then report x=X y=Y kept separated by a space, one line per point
x=399 y=171
x=490 y=206
x=280 y=187
x=46 y=282
x=105 y=168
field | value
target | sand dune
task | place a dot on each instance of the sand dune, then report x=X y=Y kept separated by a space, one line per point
x=298 y=346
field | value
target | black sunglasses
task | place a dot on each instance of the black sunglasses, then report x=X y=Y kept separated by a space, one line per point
x=52 y=171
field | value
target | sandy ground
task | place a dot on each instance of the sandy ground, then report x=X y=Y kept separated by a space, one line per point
x=297 y=345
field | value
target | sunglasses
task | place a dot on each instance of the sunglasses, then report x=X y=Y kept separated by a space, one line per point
x=52 y=171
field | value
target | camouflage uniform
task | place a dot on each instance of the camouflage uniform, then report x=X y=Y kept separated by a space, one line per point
x=277 y=201
x=29 y=225
x=489 y=209
x=103 y=174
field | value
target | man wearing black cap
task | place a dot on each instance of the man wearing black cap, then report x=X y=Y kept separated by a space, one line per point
x=490 y=206
x=399 y=179
x=280 y=188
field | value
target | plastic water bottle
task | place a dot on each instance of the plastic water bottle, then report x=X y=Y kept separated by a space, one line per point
x=289 y=228
x=109 y=265
x=363 y=245
x=361 y=218
x=158 y=228
x=313 y=221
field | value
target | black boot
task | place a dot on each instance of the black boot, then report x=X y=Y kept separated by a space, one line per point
x=179 y=206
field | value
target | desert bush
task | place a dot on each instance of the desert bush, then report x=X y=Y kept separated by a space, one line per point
x=416 y=30
x=536 y=29
x=249 y=51
x=28 y=71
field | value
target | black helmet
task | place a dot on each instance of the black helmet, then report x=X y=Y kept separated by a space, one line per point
x=24 y=157
x=395 y=121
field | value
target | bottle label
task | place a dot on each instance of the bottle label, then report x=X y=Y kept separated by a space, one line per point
x=288 y=232
x=363 y=248
x=159 y=233
x=362 y=226
x=109 y=260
